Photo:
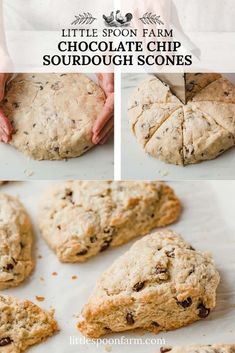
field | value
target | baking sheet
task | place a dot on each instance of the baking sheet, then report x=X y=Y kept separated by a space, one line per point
x=207 y=223
x=97 y=163
x=136 y=164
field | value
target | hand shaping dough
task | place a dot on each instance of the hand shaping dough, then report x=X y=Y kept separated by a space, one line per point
x=15 y=242
x=215 y=348
x=79 y=219
x=52 y=114
x=184 y=134
x=23 y=324
x=160 y=284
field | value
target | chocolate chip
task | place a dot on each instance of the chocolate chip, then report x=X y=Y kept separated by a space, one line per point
x=8 y=267
x=155 y=323
x=138 y=286
x=16 y=105
x=82 y=252
x=226 y=94
x=59 y=227
x=129 y=319
x=5 y=341
x=26 y=133
x=93 y=239
x=56 y=149
x=34 y=124
x=159 y=269
x=41 y=88
x=105 y=245
x=109 y=230
x=185 y=303
x=164 y=350
x=170 y=254
x=203 y=312
x=191 y=271
x=191 y=248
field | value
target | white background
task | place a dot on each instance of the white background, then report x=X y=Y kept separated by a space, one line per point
x=138 y=164
x=207 y=222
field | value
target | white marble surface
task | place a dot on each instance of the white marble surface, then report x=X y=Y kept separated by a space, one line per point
x=136 y=164
x=207 y=222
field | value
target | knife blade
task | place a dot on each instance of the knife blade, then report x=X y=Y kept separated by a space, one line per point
x=185 y=85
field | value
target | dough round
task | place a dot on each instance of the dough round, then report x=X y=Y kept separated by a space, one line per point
x=184 y=134
x=160 y=284
x=15 y=242
x=52 y=114
x=80 y=219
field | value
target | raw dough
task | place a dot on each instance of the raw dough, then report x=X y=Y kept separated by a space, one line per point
x=52 y=114
x=184 y=134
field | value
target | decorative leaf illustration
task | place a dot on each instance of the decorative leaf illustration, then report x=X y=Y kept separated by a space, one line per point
x=85 y=18
x=151 y=18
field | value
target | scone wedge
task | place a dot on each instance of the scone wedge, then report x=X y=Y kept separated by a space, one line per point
x=23 y=324
x=214 y=348
x=160 y=284
x=15 y=242
x=80 y=219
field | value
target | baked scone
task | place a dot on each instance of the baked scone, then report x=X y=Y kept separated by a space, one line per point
x=160 y=284
x=79 y=219
x=23 y=324
x=184 y=134
x=214 y=348
x=15 y=242
x=52 y=114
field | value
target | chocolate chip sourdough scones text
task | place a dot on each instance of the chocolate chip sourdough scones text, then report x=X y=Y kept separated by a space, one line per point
x=80 y=219
x=15 y=242
x=214 y=348
x=23 y=324
x=182 y=134
x=52 y=114
x=160 y=284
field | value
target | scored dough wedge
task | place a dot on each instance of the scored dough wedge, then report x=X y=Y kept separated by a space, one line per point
x=160 y=284
x=172 y=132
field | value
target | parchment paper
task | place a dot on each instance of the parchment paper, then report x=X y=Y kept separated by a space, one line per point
x=206 y=222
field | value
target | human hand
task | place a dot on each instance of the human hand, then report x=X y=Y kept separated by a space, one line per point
x=5 y=125
x=104 y=124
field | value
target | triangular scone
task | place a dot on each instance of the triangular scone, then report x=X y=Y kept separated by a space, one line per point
x=151 y=119
x=221 y=90
x=166 y=143
x=23 y=324
x=80 y=219
x=203 y=138
x=160 y=284
x=15 y=242
x=214 y=348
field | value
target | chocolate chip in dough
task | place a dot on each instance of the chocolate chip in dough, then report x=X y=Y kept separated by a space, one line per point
x=5 y=341
x=203 y=312
x=129 y=319
x=138 y=286
x=185 y=303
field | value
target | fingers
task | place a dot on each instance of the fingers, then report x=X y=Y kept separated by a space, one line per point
x=105 y=115
x=104 y=133
x=5 y=128
x=106 y=82
x=106 y=137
